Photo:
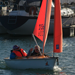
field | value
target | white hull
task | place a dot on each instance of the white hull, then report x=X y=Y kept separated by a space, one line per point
x=40 y=63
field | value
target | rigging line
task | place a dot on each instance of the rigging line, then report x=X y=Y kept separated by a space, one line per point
x=49 y=52
x=67 y=20
x=36 y=43
x=34 y=39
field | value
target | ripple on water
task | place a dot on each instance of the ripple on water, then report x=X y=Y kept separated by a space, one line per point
x=1 y=72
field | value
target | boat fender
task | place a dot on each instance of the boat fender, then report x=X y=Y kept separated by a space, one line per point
x=33 y=8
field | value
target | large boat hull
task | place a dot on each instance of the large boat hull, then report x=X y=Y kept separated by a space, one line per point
x=23 y=25
x=40 y=63
x=2 y=29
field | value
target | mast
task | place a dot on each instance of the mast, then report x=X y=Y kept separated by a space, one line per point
x=47 y=22
x=44 y=26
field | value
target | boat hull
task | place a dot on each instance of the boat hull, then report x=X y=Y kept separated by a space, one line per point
x=44 y=63
x=2 y=29
x=23 y=25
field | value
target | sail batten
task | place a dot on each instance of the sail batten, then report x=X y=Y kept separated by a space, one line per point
x=57 y=28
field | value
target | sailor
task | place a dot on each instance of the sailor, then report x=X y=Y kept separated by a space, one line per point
x=35 y=52
x=17 y=52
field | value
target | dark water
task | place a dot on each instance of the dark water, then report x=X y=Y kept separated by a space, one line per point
x=66 y=58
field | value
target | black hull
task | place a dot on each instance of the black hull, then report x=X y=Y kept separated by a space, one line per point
x=13 y=22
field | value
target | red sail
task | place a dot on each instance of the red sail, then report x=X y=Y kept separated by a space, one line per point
x=39 y=27
x=47 y=22
x=57 y=28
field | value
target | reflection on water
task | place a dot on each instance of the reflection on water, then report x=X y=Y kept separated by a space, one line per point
x=30 y=72
x=60 y=73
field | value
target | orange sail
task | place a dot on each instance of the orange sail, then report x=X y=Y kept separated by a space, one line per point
x=39 y=27
x=57 y=28
x=43 y=21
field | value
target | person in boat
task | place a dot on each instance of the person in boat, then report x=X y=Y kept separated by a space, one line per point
x=17 y=52
x=36 y=52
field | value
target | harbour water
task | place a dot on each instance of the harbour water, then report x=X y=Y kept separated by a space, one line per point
x=66 y=58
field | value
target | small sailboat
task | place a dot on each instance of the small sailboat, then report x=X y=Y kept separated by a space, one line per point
x=41 y=32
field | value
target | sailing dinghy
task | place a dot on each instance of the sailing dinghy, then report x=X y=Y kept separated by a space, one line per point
x=41 y=32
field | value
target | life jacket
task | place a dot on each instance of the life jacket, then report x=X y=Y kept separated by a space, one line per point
x=20 y=53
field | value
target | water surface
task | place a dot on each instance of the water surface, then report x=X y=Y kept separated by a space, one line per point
x=66 y=58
